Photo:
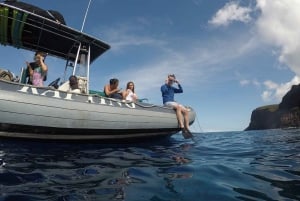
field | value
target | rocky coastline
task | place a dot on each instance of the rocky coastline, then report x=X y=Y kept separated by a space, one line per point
x=286 y=114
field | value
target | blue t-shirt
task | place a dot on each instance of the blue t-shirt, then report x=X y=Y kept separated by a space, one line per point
x=168 y=91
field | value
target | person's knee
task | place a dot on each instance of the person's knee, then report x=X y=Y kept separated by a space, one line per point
x=184 y=109
x=177 y=107
x=185 y=112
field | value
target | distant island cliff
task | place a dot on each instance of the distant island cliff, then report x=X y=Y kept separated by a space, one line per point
x=283 y=115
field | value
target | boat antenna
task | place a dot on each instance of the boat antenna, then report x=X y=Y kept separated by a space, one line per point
x=85 y=15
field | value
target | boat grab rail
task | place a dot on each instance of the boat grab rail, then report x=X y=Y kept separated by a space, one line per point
x=126 y=101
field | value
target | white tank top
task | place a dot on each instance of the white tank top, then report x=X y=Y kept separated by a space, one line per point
x=129 y=97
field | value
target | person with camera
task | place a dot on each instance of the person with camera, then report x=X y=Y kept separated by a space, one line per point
x=37 y=70
x=168 y=91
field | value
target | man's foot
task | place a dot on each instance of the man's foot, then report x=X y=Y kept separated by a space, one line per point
x=186 y=133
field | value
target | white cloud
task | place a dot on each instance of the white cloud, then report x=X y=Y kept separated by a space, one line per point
x=250 y=82
x=232 y=11
x=244 y=82
x=276 y=91
x=267 y=96
x=278 y=25
x=270 y=85
x=256 y=83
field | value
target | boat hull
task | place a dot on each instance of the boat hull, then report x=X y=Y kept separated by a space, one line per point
x=46 y=113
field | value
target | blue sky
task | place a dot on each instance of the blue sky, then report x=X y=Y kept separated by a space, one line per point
x=230 y=56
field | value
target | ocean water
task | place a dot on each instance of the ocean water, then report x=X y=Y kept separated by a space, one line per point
x=255 y=165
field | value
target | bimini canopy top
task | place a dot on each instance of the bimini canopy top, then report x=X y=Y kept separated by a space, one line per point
x=23 y=29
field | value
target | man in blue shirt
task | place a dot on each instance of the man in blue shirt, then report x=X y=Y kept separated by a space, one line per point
x=168 y=91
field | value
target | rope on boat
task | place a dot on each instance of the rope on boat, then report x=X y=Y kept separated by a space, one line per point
x=197 y=119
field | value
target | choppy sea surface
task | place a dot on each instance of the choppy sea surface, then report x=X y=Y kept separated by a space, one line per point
x=255 y=165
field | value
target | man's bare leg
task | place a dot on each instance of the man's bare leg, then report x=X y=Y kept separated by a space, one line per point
x=179 y=116
x=187 y=131
x=186 y=119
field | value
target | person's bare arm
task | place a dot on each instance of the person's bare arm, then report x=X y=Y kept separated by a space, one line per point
x=42 y=64
x=29 y=68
